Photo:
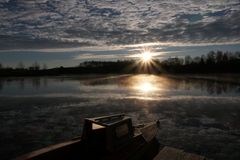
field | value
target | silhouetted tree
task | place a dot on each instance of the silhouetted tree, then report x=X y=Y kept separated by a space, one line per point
x=196 y=60
x=225 y=58
x=44 y=67
x=211 y=57
x=203 y=60
x=237 y=55
x=219 y=57
x=35 y=66
x=187 y=60
x=20 y=66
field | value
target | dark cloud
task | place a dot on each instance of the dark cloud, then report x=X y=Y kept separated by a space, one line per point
x=25 y=42
x=221 y=30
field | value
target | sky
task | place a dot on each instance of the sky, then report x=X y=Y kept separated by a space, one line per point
x=65 y=33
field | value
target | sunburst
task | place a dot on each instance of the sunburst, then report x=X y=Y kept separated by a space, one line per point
x=146 y=61
x=146 y=56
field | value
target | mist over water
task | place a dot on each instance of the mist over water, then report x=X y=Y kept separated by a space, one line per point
x=198 y=114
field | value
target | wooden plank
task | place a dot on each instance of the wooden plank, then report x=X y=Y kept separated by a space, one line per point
x=50 y=149
x=149 y=131
x=169 y=153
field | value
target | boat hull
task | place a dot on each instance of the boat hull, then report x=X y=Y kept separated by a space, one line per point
x=138 y=149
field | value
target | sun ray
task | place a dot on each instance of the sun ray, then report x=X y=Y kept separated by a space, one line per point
x=145 y=62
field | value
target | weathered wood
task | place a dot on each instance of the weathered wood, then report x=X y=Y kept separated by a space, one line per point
x=108 y=138
x=169 y=153
x=149 y=132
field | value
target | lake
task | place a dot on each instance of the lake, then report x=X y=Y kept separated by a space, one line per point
x=199 y=114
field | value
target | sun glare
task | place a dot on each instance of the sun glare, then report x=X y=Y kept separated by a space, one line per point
x=146 y=87
x=145 y=84
x=146 y=61
x=146 y=56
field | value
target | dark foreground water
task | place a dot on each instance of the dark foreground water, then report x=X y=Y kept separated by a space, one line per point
x=200 y=114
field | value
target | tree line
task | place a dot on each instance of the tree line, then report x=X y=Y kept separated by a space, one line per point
x=21 y=66
x=213 y=62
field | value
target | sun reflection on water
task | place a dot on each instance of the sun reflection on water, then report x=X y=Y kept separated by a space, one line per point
x=140 y=86
x=147 y=86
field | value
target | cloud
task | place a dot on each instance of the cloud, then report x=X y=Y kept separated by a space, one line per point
x=78 y=23
x=92 y=56
x=27 y=41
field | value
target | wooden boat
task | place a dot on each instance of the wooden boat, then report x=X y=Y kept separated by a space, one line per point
x=105 y=138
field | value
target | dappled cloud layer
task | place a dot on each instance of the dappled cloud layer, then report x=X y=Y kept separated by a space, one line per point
x=78 y=23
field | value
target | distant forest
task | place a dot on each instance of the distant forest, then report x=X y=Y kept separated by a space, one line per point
x=213 y=62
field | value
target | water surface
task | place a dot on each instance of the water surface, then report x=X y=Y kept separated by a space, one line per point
x=200 y=115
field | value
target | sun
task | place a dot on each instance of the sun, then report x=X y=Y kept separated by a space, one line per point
x=145 y=61
x=146 y=56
